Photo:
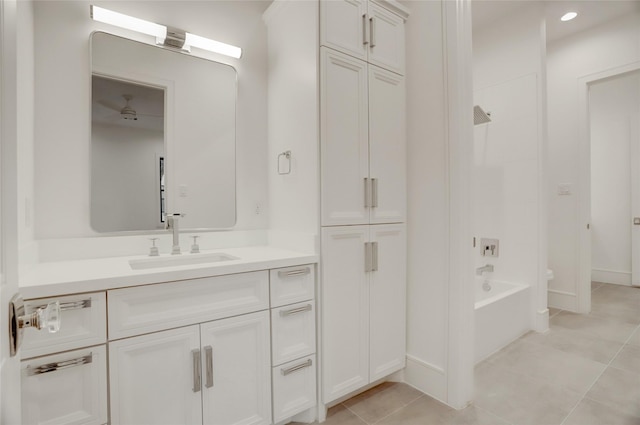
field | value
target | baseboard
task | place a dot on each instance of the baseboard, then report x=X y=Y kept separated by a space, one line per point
x=428 y=378
x=563 y=300
x=541 y=321
x=611 y=276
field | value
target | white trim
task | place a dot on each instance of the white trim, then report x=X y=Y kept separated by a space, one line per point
x=428 y=378
x=611 y=276
x=562 y=300
x=459 y=106
x=395 y=7
x=583 y=240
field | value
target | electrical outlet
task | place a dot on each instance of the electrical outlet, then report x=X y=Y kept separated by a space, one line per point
x=564 y=189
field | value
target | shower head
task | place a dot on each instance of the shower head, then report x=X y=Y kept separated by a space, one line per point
x=480 y=116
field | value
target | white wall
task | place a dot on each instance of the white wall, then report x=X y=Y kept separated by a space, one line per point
x=62 y=91
x=610 y=45
x=293 y=124
x=614 y=108
x=509 y=78
x=427 y=214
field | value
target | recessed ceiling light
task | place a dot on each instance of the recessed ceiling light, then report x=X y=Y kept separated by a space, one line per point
x=568 y=16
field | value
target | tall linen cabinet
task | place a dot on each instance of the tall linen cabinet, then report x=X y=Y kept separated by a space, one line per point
x=363 y=194
x=356 y=105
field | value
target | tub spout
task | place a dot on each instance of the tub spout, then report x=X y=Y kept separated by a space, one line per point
x=487 y=268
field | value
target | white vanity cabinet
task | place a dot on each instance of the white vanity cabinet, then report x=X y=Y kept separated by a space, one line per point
x=363 y=147
x=64 y=375
x=213 y=373
x=364 y=283
x=365 y=30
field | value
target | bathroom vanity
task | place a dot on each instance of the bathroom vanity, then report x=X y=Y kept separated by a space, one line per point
x=230 y=342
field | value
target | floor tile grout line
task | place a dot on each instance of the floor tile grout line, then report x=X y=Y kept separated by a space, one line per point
x=400 y=408
x=356 y=415
x=599 y=376
x=493 y=414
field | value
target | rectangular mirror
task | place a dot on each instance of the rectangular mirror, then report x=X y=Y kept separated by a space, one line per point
x=162 y=137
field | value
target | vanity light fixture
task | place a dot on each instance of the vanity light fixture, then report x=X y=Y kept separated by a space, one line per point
x=166 y=36
x=568 y=16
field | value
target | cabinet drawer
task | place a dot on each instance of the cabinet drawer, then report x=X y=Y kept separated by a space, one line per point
x=292 y=284
x=83 y=322
x=293 y=332
x=294 y=388
x=68 y=388
x=134 y=311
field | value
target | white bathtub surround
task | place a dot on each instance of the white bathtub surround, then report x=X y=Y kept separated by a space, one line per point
x=501 y=315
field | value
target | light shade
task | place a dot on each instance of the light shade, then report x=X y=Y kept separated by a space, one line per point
x=160 y=32
x=128 y=22
x=568 y=16
x=193 y=40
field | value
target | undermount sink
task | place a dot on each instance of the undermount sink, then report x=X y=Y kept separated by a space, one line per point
x=179 y=260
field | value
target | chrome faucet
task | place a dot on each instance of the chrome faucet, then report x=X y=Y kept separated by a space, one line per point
x=173 y=226
x=487 y=268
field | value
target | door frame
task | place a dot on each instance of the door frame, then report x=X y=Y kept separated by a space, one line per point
x=583 y=239
x=10 y=393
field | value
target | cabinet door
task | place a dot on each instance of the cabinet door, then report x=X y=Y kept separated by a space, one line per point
x=154 y=378
x=387 y=144
x=387 y=41
x=66 y=389
x=344 y=139
x=387 y=287
x=345 y=315
x=236 y=370
x=343 y=26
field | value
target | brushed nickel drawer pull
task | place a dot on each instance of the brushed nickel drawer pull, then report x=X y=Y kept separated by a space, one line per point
x=208 y=354
x=374 y=255
x=53 y=367
x=374 y=193
x=72 y=305
x=302 y=309
x=196 y=370
x=295 y=368
x=297 y=272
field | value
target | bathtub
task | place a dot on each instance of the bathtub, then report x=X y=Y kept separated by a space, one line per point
x=502 y=315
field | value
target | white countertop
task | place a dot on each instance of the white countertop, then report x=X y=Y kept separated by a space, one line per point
x=70 y=277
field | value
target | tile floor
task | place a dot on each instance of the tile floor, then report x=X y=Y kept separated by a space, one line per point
x=584 y=371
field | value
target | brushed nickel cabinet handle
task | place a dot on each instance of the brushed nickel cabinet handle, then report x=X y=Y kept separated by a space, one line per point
x=367 y=257
x=208 y=354
x=297 y=272
x=367 y=193
x=374 y=193
x=374 y=255
x=364 y=29
x=372 y=22
x=72 y=305
x=295 y=368
x=297 y=310
x=53 y=367
x=196 y=370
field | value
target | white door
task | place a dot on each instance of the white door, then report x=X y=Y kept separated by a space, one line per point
x=236 y=371
x=345 y=315
x=344 y=26
x=344 y=139
x=155 y=378
x=386 y=41
x=387 y=146
x=10 y=408
x=635 y=189
x=387 y=316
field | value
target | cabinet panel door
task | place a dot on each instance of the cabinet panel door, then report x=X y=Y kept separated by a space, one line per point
x=152 y=378
x=343 y=26
x=345 y=315
x=236 y=375
x=71 y=395
x=344 y=139
x=387 y=143
x=388 y=300
x=387 y=46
